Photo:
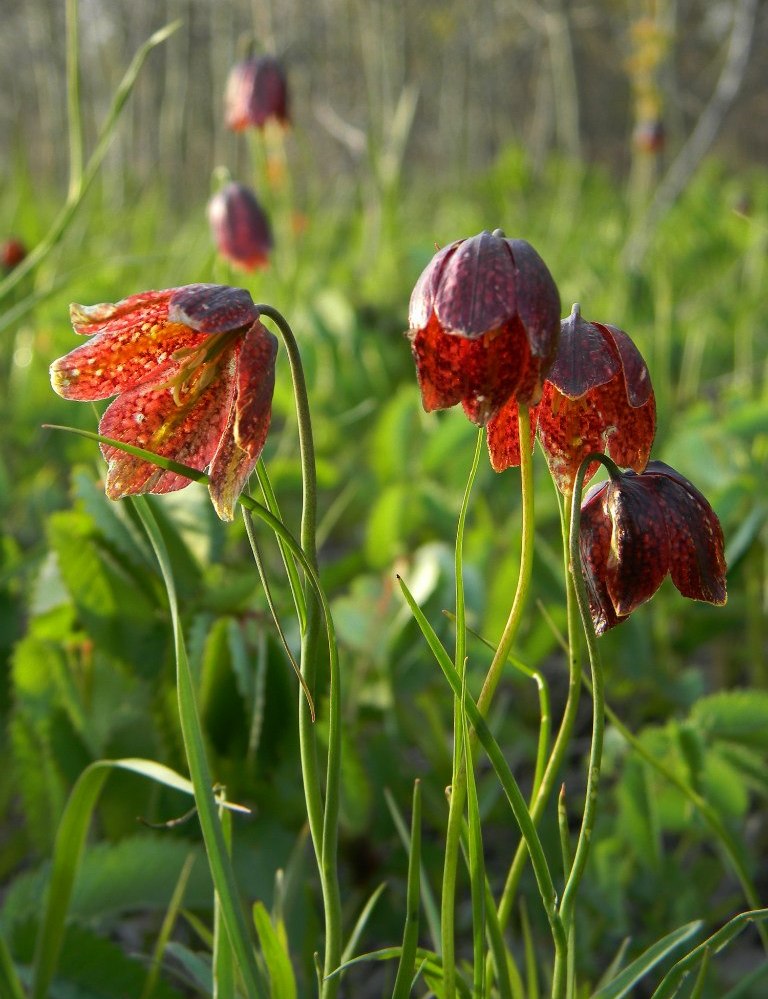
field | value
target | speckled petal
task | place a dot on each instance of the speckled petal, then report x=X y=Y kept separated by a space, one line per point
x=585 y=357
x=130 y=350
x=640 y=548
x=423 y=295
x=145 y=307
x=255 y=386
x=504 y=436
x=595 y=548
x=537 y=301
x=212 y=308
x=600 y=420
x=637 y=378
x=477 y=290
x=149 y=418
x=697 y=560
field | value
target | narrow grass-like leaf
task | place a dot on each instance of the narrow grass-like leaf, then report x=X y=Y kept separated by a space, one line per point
x=224 y=971
x=500 y=765
x=529 y=949
x=636 y=970
x=406 y=965
x=274 y=948
x=361 y=922
x=294 y=581
x=256 y=551
x=166 y=929
x=213 y=836
x=475 y=855
x=714 y=944
x=431 y=965
x=744 y=989
x=67 y=854
x=427 y=896
x=10 y=986
x=500 y=957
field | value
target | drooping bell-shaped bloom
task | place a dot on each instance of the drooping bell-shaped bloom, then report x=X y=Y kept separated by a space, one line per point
x=256 y=92
x=484 y=321
x=193 y=370
x=597 y=396
x=12 y=252
x=637 y=528
x=240 y=227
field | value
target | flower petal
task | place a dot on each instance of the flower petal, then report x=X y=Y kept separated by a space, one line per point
x=148 y=417
x=146 y=307
x=637 y=378
x=423 y=295
x=212 y=308
x=129 y=351
x=255 y=386
x=696 y=558
x=585 y=358
x=537 y=301
x=504 y=436
x=477 y=290
x=595 y=548
x=640 y=548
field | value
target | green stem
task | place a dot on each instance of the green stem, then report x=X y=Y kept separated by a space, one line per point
x=456 y=806
x=526 y=564
x=568 y=900
x=563 y=739
x=75 y=122
x=323 y=822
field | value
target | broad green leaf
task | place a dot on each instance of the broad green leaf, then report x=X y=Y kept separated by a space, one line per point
x=739 y=716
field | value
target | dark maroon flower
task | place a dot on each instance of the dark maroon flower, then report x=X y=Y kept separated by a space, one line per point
x=240 y=227
x=597 y=396
x=637 y=528
x=257 y=92
x=12 y=252
x=484 y=323
x=193 y=370
x=649 y=136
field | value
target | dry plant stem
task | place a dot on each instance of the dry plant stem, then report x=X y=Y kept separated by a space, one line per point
x=703 y=135
x=565 y=731
x=323 y=820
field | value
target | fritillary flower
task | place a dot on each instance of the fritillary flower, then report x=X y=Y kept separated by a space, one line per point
x=12 y=252
x=484 y=322
x=256 y=92
x=240 y=227
x=635 y=529
x=193 y=372
x=597 y=396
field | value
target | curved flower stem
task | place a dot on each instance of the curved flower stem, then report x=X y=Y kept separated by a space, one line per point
x=323 y=821
x=565 y=731
x=568 y=900
x=526 y=564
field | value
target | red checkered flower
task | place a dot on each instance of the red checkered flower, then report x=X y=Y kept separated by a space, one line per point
x=484 y=323
x=240 y=227
x=257 y=92
x=193 y=370
x=637 y=528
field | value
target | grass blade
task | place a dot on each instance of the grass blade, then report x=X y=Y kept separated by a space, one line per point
x=407 y=963
x=626 y=980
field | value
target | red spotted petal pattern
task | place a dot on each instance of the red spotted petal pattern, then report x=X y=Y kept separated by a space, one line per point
x=638 y=528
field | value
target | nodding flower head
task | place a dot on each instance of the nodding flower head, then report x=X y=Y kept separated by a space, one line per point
x=484 y=322
x=193 y=372
x=256 y=92
x=240 y=227
x=636 y=529
x=597 y=396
